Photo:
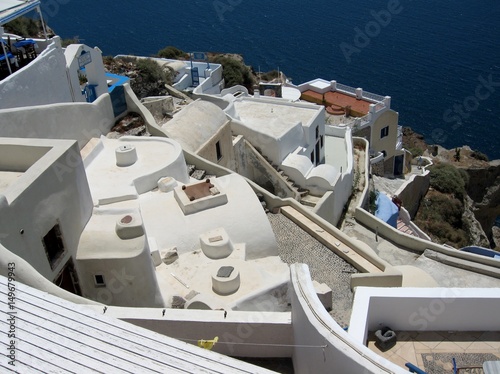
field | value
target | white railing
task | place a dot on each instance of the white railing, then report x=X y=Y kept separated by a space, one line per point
x=379 y=106
x=345 y=88
x=372 y=96
x=366 y=95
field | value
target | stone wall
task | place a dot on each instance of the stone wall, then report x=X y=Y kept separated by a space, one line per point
x=378 y=168
x=363 y=133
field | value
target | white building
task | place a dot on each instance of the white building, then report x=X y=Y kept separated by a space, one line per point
x=122 y=223
x=369 y=115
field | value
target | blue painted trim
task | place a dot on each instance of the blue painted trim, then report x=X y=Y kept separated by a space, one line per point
x=120 y=80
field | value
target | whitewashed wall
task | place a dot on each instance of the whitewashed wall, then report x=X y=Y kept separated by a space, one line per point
x=336 y=351
x=424 y=309
x=79 y=121
x=43 y=81
x=53 y=190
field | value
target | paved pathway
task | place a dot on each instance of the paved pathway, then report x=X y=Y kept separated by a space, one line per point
x=295 y=246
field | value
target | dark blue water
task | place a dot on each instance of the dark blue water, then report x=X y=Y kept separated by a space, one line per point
x=438 y=60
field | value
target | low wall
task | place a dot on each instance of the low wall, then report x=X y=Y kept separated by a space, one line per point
x=364 y=144
x=413 y=191
x=424 y=309
x=80 y=121
x=134 y=105
x=43 y=81
x=321 y=345
x=331 y=205
x=420 y=245
x=404 y=215
x=241 y=334
x=212 y=84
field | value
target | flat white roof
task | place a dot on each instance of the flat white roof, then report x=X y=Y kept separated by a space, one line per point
x=55 y=335
x=320 y=84
x=273 y=118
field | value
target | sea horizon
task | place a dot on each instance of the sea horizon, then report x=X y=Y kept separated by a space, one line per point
x=437 y=60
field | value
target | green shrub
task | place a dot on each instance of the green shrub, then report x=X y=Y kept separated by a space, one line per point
x=151 y=72
x=465 y=177
x=172 y=53
x=479 y=156
x=415 y=151
x=107 y=60
x=447 y=179
x=440 y=216
x=269 y=76
x=373 y=201
x=24 y=26
x=235 y=72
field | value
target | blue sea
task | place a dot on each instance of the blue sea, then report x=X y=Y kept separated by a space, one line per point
x=438 y=60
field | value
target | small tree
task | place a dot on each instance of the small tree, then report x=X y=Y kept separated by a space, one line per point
x=235 y=72
x=171 y=52
x=24 y=26
x=448 y=179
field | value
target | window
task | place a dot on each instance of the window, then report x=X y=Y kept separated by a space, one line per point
x=384 y=132
x=317 y=132
x=99 y=280
x=218 y=151
x=54 y=246
x=312 y=157
x=322 y=140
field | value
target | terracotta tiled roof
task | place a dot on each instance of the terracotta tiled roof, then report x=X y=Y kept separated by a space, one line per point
x=359 y=107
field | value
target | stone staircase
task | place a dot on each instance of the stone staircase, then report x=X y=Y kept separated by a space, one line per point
x=302 y=192
x=401 y=226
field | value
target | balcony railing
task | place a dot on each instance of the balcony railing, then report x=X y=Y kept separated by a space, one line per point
x=366 y=95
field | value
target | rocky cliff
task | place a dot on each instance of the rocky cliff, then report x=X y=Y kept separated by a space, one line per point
x=482 y=203
x=484 y=190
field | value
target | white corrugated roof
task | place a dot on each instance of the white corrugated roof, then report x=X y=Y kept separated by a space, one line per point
x=11 y=9
x=53 y=335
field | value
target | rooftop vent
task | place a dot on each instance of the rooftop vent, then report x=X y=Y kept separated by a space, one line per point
x=129 y=226
x=126 y=155
x=226 y=280
x=167 y=184
x=216 y=244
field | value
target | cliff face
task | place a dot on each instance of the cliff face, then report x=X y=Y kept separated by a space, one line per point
x=484 y=190
x=482 y=205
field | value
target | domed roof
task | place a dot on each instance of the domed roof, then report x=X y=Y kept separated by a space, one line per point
x=195 y=124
